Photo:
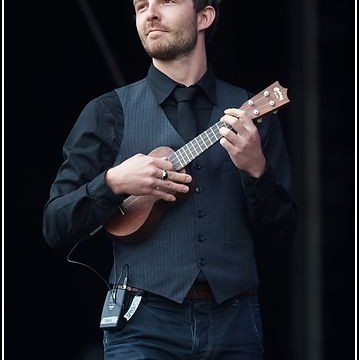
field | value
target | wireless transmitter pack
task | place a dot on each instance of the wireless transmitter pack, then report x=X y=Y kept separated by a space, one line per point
x=114 y=303
x=112 y=309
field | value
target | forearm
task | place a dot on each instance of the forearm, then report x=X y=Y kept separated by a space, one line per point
x=72 y=216
x=272 y=210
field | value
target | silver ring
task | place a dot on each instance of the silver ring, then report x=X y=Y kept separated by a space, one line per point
x=164 y=175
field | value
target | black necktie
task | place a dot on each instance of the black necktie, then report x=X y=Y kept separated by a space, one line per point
x=186 y=117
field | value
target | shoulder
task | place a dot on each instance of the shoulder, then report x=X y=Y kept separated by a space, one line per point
x=100 y=110
x=135 y=86
x=111 y=101
x=107 y=103
x=108 y=98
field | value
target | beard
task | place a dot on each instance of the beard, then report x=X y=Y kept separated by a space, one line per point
x=174 y=45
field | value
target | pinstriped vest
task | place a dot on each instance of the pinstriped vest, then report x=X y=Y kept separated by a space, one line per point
x=209 y=231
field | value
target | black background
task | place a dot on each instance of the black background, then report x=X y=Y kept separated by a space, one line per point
x=54 y=66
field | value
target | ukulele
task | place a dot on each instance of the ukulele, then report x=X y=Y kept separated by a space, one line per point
x=137 y=217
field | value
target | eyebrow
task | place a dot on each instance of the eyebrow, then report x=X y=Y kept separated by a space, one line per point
x=135 y=2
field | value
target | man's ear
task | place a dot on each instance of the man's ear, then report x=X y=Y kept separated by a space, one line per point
x=206 y=17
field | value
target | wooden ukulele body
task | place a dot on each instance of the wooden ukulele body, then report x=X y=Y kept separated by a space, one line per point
x=139 y=215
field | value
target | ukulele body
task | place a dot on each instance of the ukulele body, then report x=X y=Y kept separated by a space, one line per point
x=139 y=215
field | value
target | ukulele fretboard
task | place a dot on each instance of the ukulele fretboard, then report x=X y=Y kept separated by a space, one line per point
x=187 y=153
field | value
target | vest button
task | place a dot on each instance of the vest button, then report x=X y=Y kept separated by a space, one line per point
x=201 y=262
x=200 y=213
x=196 y=166
x=201 y=238
x=199 y=189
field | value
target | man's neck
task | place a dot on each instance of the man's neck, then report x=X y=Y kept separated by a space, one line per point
x=186 y=71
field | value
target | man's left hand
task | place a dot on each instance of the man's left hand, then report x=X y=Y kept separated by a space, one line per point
x=244 y=145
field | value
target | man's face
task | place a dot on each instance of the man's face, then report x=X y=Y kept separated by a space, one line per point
x=167 y=29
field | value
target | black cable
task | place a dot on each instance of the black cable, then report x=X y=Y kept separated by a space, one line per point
x=97 y=273
x=85 y=265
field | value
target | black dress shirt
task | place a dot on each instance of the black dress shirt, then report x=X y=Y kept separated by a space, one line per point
x=79 y=192
x=162 y=87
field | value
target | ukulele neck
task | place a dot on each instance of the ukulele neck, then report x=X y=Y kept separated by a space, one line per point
x=190 y=151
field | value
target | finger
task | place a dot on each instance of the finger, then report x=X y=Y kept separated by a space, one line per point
x=163 y=195
x=234 y=122
x=167 y=187
x=240 y=131
x=229 y=146
x=179 y=177
x=164 y=164
x=243 y=117
x=238 y=113
x=173 y=187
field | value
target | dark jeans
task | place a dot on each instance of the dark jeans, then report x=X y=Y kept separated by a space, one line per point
x=194 y=330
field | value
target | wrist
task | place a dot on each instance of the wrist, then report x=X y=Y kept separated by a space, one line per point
x=258 y=170
x=112 y=181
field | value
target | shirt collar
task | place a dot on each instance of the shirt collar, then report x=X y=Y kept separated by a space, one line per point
x=162 y=85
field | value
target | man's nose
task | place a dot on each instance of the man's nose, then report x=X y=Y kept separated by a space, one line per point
x=153 y=11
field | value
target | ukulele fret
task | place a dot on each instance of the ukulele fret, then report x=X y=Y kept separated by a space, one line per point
x=202 y=142
x=192 y=150
x=198 y=146
x=185 y=154
x=214 y=134
x=188 y=152
x=208 y=144
x=179 y=159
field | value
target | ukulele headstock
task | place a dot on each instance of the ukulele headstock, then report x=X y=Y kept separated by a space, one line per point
x=268 y=100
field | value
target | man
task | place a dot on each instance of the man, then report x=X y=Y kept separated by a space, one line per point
x=196 y=268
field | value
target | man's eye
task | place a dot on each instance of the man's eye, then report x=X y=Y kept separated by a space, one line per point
x=140 y=7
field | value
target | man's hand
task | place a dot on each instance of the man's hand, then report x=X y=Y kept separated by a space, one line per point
x=142 y=175
x=244 y=146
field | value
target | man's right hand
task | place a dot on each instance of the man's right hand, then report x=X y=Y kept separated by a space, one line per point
x=142 y=175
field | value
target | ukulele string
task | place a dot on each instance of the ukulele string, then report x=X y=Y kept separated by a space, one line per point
x=126 y=203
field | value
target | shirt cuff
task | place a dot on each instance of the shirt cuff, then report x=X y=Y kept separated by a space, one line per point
x=258 y=188
x=104 y=197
